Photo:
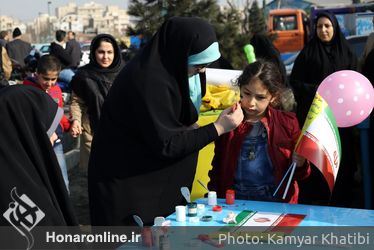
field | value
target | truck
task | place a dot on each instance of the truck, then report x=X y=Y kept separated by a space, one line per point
x=292 y=27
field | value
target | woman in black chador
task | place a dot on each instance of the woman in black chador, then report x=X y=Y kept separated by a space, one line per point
x=28 y=163
x=327 y=52
x=146 y=146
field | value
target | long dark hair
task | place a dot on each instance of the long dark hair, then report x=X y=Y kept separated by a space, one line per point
x=269 y=74
x=265 y=71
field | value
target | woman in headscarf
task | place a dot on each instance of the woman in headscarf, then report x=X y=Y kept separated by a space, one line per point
x=264 y=48
x=327 y=52
x=29 y=165
x=90 y=86
x=146 y=146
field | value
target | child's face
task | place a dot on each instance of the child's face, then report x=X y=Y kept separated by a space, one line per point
x=47 y=80
x=255 y=98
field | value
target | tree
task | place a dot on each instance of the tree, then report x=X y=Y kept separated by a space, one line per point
x=227 y=22
x=256 y=20
x=151 y=14
x=231 y=35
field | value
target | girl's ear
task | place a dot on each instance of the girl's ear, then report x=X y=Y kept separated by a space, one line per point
x=274 y=101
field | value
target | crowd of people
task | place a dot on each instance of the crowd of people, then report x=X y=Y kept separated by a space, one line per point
x=137 y=122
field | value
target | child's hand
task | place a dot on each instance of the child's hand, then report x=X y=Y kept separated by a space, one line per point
x=298 y=159
x=75 y=128
x=53 y=138
x=229 y=119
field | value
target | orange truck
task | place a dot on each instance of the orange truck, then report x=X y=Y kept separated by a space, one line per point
x=290 y=27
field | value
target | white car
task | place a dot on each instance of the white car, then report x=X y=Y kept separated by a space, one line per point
x=85 y=59
x=42 y=48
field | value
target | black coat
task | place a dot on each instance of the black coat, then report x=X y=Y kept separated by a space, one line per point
x=143 y=151
x=62 y=54
x=73 y=48
x=18 y=50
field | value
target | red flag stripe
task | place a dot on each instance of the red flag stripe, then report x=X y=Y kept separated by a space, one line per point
x=314 y=152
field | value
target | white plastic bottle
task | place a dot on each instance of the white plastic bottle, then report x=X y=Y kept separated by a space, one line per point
x=212 y=198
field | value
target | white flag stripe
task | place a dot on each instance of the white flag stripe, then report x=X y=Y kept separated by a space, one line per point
x=323 y=131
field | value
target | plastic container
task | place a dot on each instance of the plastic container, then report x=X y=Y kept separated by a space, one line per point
x=230 y=196
x=192 y=209
x=180 y=212
x=212 y=198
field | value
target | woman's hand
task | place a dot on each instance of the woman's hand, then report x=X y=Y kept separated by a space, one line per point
x=193 y=126
x=298 y=159
x=75 y=128
x=229 y=119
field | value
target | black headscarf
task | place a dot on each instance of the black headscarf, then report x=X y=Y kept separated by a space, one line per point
x=28 y=163
x=92 y=82
x=316 y=61
x=169 y=50
x=143 y=150
x=265 y=49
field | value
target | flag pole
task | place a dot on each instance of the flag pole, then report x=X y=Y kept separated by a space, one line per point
x=289 y=180
x=284 y=177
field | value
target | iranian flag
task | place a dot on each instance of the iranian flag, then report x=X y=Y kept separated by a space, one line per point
x=319 y=141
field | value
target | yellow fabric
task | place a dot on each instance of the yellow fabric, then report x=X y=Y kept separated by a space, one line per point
x=218 y=97
x=205 y=159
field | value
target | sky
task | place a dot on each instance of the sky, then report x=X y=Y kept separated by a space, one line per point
x=27 y=10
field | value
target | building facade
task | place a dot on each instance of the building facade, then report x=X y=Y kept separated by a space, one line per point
x=88 y=19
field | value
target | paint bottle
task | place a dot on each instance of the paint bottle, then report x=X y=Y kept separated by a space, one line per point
x=147 y=237
x=230 y=196
x=180 y=213
x=192 y=209
x=212 y=198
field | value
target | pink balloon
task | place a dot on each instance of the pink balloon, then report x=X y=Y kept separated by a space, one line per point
x=350 y=96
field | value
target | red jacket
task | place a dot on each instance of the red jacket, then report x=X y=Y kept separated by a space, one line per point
x=56 y=94
x=282 y=130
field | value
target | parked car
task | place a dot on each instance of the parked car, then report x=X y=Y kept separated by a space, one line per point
x=42 y=48
x=85 y=58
